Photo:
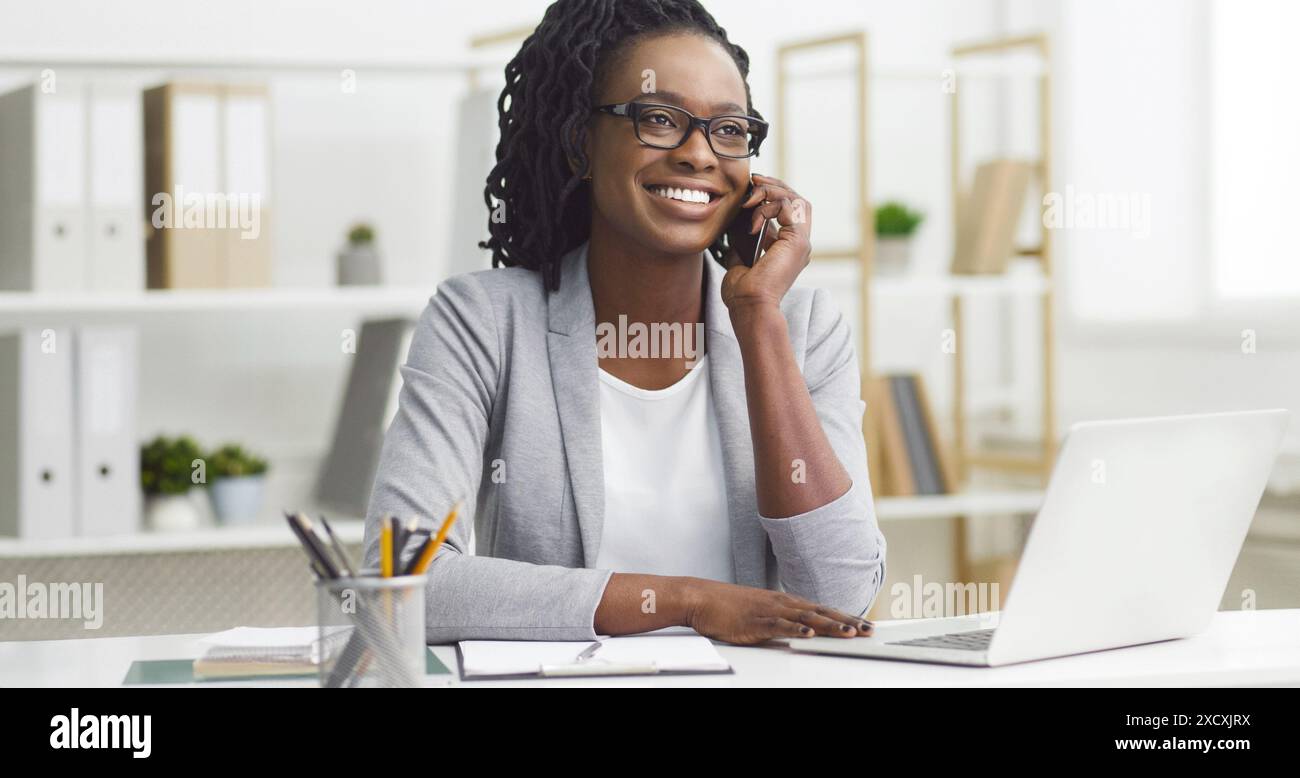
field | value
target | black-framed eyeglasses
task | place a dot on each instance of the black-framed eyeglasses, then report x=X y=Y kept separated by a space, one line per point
x=734 y=136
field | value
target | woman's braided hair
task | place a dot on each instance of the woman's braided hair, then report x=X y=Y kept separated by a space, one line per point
x=550 y=90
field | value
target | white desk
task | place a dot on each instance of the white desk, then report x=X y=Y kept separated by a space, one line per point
x=1241 y=648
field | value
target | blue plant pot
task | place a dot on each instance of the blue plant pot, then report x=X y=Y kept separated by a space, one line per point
x=237 y=500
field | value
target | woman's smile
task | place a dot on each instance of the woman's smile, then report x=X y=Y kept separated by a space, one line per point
x=685 y=199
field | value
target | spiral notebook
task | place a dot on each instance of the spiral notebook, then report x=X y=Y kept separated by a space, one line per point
x=245 y=652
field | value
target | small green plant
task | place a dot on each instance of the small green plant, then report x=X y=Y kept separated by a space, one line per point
x=361 y=235
x=166 y=465
x=232 y=461
x=895 y=220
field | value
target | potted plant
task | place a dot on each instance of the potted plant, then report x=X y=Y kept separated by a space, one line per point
x=236 y=484
x=167 y=469
x=895 y=223
x=359 y=261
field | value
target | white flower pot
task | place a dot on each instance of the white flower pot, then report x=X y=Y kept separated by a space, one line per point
x=359 y=265
x=172 y=513
x=893 y=255
x=237 y=500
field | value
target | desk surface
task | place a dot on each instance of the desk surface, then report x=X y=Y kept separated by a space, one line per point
x=1241 y=648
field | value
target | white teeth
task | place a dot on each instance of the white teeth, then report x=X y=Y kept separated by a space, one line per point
x=685 y=195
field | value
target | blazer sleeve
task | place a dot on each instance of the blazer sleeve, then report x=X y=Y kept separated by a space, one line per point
x=833 y=555
x=433 y=455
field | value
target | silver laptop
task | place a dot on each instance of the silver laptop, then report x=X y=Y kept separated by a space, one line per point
x=1139 y=530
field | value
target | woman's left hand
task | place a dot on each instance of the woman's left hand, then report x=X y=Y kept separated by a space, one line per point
x=785 y=253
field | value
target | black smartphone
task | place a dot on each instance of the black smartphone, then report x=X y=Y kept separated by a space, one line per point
x=747 y=246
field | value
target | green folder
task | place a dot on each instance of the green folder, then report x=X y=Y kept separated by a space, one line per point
x=174 y=671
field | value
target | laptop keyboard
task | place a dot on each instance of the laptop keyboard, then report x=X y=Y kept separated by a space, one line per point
x=973 y=640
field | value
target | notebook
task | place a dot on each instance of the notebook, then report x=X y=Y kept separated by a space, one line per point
x=246 y=652
x=482 y=660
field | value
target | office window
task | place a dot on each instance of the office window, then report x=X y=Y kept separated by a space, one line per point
x=1132 y=127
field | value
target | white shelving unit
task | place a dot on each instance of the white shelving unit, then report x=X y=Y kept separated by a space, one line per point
x=376 y=300
x=209 y=539
x=1020 y=281
x=350 y=531
x=406 y=300
x=968 y=503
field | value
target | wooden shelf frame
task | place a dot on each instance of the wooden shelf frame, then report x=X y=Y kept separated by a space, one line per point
x=963 y=502
x=968 y=459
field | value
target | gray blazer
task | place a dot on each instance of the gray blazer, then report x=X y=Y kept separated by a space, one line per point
x=499 y=406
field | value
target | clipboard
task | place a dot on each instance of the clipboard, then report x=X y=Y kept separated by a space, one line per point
x=593 y=668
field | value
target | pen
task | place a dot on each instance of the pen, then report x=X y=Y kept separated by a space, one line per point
x=588 y=652
x=313 y=540
x=431 y=548
x=401 y=537
x=311 y=559
x=386 y=546
x=319 y=563
x=338 y=548
x=409 y=569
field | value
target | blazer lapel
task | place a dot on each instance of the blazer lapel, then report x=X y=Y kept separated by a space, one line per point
x=571 y=345
x=727 y=382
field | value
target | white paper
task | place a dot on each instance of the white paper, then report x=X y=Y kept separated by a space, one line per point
x=263 y=637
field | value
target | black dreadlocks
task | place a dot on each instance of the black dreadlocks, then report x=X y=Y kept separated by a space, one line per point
x=550 y=90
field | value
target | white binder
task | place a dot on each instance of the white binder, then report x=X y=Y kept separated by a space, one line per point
x=36 y=438
x=42 y=190
x=107 y=460
x=71 y=215
x=115 y=218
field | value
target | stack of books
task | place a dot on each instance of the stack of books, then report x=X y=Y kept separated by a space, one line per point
x=911 y=458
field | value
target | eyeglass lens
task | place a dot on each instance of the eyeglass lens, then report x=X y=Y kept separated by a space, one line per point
x=729 y=136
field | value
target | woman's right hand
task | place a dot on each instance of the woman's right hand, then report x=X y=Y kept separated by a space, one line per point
x=746 y=615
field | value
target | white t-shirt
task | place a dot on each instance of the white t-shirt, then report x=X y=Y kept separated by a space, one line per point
x=665 y=492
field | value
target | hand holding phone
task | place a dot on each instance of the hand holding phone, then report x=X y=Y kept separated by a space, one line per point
x=770 y=204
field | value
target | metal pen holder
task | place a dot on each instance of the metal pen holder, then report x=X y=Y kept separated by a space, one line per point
x=371 y=631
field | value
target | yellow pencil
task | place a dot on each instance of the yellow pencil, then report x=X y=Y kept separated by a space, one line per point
x=386 y=547
x=426 y=556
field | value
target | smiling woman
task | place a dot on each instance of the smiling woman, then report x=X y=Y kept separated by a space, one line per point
x=618 y=490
